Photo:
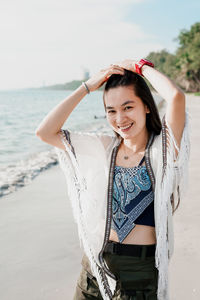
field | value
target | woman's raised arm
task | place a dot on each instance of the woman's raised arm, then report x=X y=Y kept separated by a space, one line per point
x=49 y=129
x=175 y=97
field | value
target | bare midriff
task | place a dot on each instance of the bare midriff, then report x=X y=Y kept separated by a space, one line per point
x=140 y=235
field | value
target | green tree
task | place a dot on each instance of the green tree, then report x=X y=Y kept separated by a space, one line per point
x=183 y=66
x=164 y=62
x=188 y=56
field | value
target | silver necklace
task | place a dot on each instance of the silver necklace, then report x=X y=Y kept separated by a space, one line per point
x=125 y=156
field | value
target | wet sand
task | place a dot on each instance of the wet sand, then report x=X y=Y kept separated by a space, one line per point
x=40 y=252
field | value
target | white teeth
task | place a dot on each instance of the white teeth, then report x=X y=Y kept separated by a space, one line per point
x=126 y=126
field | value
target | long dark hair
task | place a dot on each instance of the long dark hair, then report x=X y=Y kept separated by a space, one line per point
x=141 y=89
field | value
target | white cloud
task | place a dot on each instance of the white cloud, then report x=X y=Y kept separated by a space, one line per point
x=52 y=40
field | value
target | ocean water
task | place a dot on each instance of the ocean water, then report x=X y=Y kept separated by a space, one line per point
x=22 y=154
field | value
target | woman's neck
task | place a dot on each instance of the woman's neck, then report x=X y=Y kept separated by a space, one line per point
x=137 y=144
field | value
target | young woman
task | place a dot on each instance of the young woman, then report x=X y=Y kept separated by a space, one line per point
x=124 y=188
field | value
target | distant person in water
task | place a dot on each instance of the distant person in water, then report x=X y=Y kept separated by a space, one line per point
x=101 y=117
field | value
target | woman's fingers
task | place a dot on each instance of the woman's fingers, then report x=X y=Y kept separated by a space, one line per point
x=117 y=64
x=113 y=69
x=128 y=64
x=98 y=79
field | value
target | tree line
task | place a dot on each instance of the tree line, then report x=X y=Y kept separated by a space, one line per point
x=183 y=67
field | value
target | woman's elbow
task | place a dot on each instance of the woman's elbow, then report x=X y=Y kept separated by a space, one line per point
x=39 y=134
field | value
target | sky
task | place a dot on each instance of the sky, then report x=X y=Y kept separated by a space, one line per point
x=45 y=42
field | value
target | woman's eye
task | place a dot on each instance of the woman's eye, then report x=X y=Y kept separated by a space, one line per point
x=111 y=111
x=127 y=107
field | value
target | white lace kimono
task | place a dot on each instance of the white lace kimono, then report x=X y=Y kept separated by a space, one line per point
x=88 y=163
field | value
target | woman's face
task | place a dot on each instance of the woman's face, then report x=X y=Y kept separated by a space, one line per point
x=125 y=112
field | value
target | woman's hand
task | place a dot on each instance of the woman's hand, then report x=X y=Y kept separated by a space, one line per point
x=128 y=64
x=102 y=76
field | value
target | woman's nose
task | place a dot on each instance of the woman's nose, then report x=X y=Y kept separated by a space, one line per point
x=119 y=118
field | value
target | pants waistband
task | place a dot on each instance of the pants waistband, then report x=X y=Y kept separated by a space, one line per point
x=130 y=249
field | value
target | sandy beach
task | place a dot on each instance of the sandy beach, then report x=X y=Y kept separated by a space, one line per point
x=40 y=252
x=183 y=271
x=39 y=247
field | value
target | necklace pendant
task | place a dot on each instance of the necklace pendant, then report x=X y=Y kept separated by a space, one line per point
x=125 y=157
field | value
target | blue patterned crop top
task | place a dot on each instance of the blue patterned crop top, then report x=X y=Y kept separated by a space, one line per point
x=132 y=201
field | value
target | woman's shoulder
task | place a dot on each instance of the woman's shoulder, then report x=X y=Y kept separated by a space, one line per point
x=107 y=139
x=85 y=139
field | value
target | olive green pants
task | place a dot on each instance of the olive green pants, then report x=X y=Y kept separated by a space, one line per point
x=137 y=278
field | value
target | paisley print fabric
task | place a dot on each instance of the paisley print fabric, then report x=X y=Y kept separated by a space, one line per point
x=132 y=199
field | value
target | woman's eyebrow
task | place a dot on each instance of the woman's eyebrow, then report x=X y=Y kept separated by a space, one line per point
x=129 y=101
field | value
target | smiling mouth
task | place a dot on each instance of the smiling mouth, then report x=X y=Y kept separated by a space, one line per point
x=124 y=129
